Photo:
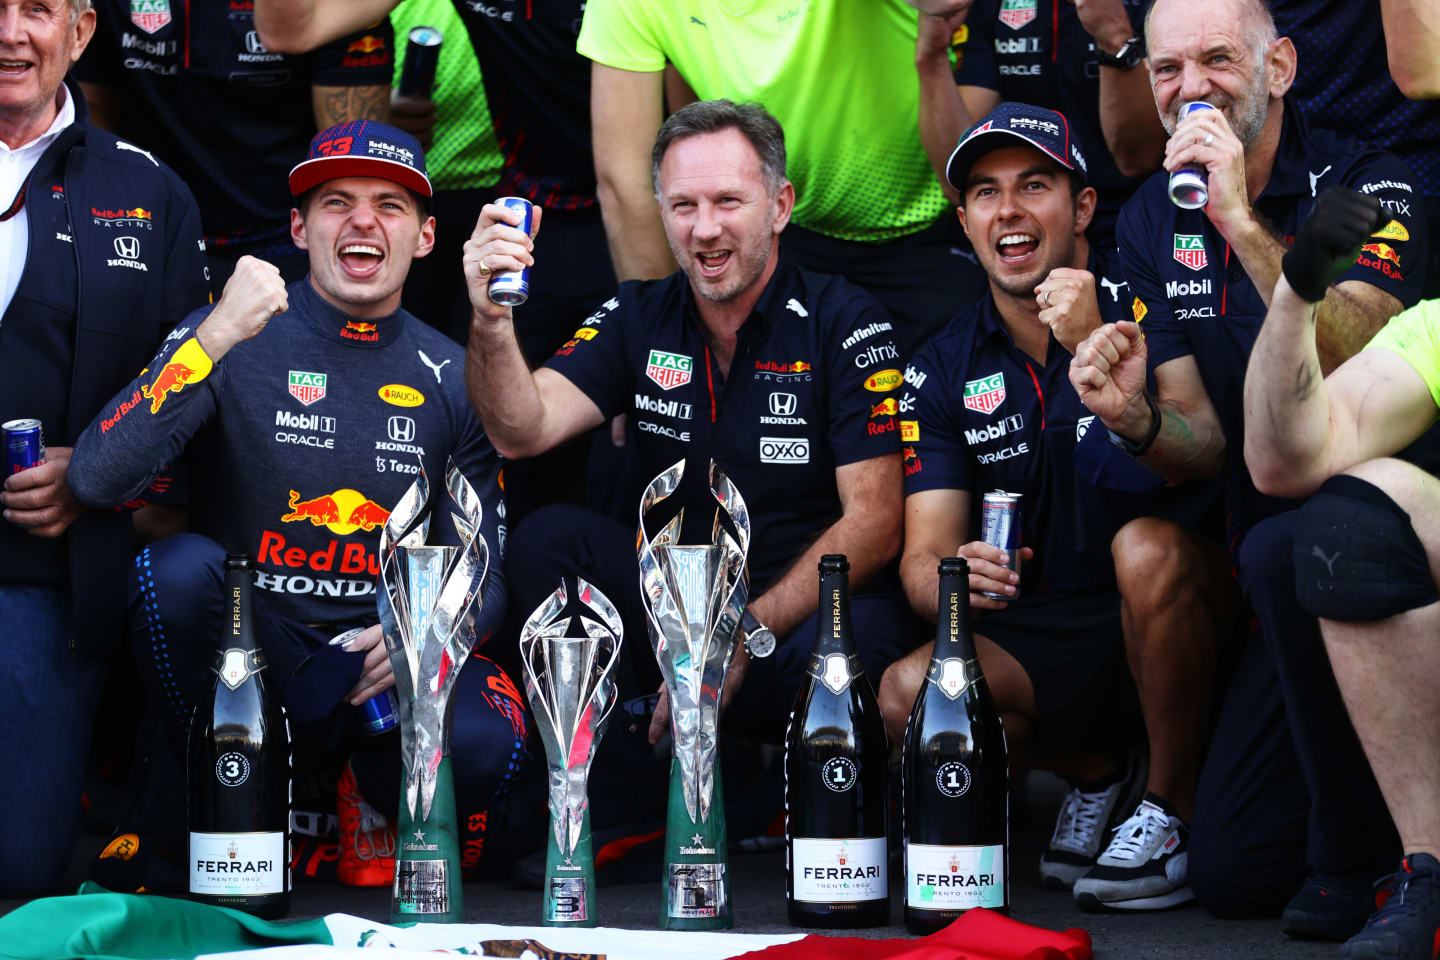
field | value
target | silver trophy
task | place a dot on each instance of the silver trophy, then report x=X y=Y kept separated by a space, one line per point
x=694 y=602
x=428 y=599
x=570 y=682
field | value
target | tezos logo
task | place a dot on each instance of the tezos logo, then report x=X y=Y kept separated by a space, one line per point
x=839 y=774
x=784 y=450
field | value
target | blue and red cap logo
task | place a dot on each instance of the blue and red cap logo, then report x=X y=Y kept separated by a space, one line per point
x=1046 y=130
x=362 y=148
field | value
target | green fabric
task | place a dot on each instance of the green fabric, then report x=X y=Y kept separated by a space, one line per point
x=1415 y=336
x=99 y=925
x=683 y=833
x=839 y=75
x=464 y=154
x=440 y=830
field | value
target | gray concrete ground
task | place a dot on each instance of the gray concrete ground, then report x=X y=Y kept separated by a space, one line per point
x=1187 y=933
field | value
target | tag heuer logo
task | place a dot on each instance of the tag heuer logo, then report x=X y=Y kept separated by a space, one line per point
x=1016 y=13
x=985 y=394
x=150 y=15
x=669 y=370
x=1190 y=250
x=306 y=387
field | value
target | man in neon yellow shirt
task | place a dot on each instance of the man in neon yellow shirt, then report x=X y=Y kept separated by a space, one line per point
x=840 y=78
x=1367 y=543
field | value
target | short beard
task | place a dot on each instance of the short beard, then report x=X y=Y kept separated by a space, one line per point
x=1249 y=113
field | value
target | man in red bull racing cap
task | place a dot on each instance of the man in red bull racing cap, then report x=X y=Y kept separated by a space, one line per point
x=304 y=413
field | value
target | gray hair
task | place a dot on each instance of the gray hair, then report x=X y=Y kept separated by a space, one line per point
x=712 y=116
x=1262 y=34
x=78 y=7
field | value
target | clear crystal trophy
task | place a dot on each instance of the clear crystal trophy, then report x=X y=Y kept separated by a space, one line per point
x=428 y=599
x=570 y=682
x=694 y=599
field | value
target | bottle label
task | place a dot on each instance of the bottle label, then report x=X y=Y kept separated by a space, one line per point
x=835 y=670
x=953 y=779
x=232 y=768
x=952 y=675
x=954 y=878
x=235 y=665
x=840 y=871
x=247 y=864
x=839 y=774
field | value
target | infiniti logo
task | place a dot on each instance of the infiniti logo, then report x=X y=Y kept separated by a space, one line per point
x=402 y=429
x=127 y=247
x=782 y=404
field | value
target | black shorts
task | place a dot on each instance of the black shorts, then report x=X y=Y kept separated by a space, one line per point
x=1073 y=650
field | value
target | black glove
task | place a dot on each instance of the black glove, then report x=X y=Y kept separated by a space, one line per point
x=1329 y=240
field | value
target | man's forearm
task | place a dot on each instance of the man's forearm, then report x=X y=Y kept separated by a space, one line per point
x=1287 y=415
x=1412 y=45
x=1129 y=122
x=921 y=581
x=1185 y=447
x=340 y=104
x=501 y=387
x=1342 y=327
x=638 y=248
x=943 y=115
x=869 y=543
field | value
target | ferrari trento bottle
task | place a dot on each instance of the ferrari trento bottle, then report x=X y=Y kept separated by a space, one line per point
x=836 y=779
x=955 y=780
x=239 y=772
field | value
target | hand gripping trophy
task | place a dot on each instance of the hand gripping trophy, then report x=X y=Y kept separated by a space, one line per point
x=570 y=681
x=694 y=600
x=428 y=597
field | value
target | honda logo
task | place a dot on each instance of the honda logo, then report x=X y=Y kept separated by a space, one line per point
x=402 y=429
x=127 y=247
x=253 y=44
x=783 y=404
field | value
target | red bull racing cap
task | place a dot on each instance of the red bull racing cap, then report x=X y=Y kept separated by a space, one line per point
x=1046 y=130
x=362 y=148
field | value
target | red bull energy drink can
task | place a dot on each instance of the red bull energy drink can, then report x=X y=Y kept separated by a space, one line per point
x=1000 y=527
x=510 y=288
x=422 y=56
x=1190 y=186
x=381 y=713
x=24 y=445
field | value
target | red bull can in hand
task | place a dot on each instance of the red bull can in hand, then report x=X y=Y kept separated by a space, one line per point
x=1000 y=527
x=24 y=445
x=381 y=713
x=510 y=288
x=1190 y=186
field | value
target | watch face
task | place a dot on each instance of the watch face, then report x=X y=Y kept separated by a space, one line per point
x=760 y=642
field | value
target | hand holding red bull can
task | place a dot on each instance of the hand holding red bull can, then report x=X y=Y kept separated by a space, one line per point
x=375 y=676
x=499 y=255
x=994 y=569
x=1206 y=161
x=37 y=497
x=1188 y=185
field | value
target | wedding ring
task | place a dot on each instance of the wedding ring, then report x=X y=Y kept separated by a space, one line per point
x=484 y=270
x=1209 y=139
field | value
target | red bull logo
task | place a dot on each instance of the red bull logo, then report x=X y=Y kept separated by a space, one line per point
x=1382 y=257
x=364 y=332
x=366 y=44
x=172 y=377
x=343 y=511
x=139 y=213
x=886 y=407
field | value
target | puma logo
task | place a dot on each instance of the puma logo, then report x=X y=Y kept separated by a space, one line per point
x=122 y=145
x=432 y=364
x=699 y=21
x=1315 y=178
x=1315 y=551
x=795 y=305
x=1114 y=288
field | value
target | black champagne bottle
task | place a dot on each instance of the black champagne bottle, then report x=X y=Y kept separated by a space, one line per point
x=836 y=779
x=955 y=779
x=239 y=772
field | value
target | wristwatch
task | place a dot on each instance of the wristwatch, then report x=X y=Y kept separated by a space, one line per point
x=759 y=639
x=1143 y=447
x=1128 y=57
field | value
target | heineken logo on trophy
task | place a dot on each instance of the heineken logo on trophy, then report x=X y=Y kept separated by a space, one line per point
x=428 y=599
x=569 y=665
x=694 y=600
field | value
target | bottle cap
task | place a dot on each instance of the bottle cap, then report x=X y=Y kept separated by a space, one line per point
x=954 y=565
x=834 y=561
x=237 y=561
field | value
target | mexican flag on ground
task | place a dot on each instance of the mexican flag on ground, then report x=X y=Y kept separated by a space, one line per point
x=97 y=925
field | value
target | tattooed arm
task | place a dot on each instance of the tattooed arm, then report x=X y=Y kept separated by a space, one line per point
x=1301 y=427
x=337 y=104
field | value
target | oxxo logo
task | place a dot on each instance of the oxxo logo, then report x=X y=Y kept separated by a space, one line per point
x=995 y=430
x=1190 y=288
x=784 y=450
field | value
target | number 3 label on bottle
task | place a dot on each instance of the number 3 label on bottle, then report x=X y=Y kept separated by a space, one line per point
x=232 y=769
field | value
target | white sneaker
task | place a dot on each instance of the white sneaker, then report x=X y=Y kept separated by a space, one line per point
x=1079 y=835
x=1146 y=865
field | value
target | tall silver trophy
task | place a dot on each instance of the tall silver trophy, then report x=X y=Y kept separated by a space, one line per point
x=428 y=599
x=569 y=664
x=694 y=599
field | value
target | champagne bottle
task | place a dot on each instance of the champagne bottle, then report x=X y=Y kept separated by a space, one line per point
x=836 y=778
x=239 y=772
x=955 y=781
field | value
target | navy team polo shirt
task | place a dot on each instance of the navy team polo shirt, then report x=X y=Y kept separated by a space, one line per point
x=1193 y=297
x=979 y=414
x=811 y=388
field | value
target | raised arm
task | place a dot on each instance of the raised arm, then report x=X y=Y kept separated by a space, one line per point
x=524 y=414
x=1128 y=119
x=626 y=110
x=299 y=26
x=947 y=110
